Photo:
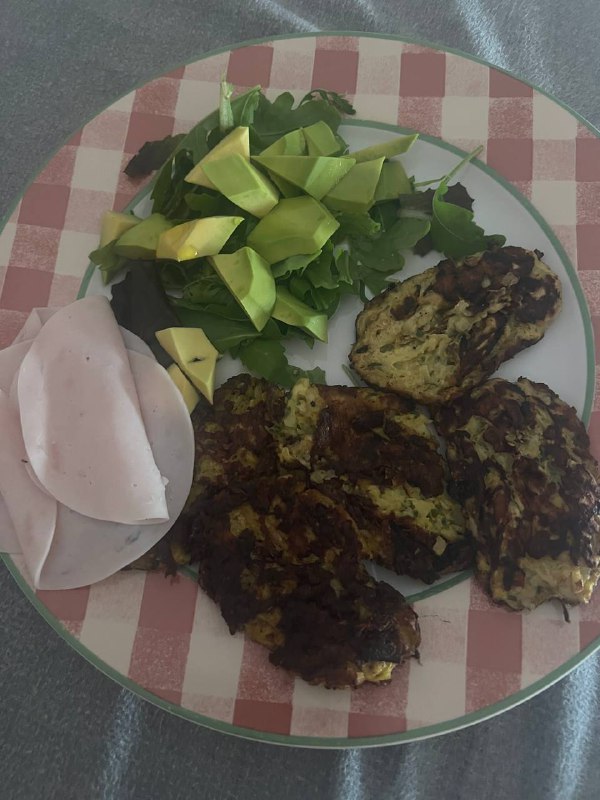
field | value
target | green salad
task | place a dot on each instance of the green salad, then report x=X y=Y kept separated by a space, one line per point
x=262 y=221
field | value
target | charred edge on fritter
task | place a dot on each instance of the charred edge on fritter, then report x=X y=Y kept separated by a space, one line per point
x=436 y=335
x=522 y=469
x=283 y=563
x=376 y=455
x=233 y=438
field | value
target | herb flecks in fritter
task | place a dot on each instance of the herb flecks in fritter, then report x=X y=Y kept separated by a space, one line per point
x=376 y=454
x=522 y=468
x=435 y=336
x=282 y=560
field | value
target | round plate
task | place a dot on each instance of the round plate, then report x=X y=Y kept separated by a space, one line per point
x=538 y=183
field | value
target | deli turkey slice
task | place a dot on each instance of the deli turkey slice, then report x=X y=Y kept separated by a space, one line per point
x=32 y=511
x=86 y=550
x=80 y=416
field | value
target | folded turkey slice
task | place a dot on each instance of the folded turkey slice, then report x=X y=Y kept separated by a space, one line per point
x=63 y=549
x=32 y=511
x=82 y=427
x=86 y=550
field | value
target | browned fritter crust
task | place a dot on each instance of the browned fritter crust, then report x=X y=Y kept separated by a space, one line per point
x=377 y=455
x=282 y=561
x=436 y=335
x=522 y=468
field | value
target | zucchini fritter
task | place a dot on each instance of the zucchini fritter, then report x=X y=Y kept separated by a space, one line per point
x=435 y=336
x=521 y=467
x=282 y=560
x=377 y=455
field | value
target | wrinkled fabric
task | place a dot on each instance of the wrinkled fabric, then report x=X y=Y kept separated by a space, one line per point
x=66 y=730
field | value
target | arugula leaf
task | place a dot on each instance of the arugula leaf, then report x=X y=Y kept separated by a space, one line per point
x=267 y=359
x=208 y=293
x=384 y=254
x=336 y=100
x=170 y=188
x=225 y=334
x=284 y=269
x=140 y=304
x=274 y=119
x=356 y=225
x=108 y=261
x=454 y=231
x=417 y=201
x=151 y=156
x=175 y=275
x=322 y=272
x=210 y=204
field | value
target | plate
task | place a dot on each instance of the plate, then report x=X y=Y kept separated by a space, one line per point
x=538 y=182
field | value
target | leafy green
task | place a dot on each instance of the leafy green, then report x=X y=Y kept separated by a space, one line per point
x=338 y=101
x=267 y=359
x=151 y=156
x=384 y=253
x=366 y=250
x=283 y=269
x=109 y=263
x=225 y=334
x=140 y=304
x=226 y=121
x=454 y=231
x=170 y=188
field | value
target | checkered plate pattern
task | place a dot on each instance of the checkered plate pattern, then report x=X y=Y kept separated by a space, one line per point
x=164 y=638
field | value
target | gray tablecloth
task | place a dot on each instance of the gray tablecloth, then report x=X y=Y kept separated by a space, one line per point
x=66 y=731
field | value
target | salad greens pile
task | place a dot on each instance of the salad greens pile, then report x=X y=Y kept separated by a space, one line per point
x=358 y=260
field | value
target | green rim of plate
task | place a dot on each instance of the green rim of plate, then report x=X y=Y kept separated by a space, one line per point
x=428 y=731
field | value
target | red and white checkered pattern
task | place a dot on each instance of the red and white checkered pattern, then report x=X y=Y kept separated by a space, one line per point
x=165 y=634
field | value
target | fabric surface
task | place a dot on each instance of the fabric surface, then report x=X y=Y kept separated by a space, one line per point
x=66 y=730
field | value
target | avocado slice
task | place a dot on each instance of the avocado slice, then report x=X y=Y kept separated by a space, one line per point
x=289 y=309
x=393 y=182
x=290 y=144
x=194 y=354
x=199 y=237
x=321 y=140
x=243 y=184
x=296 y=226
x=316 y=175
x=141 y=241
x=356 y=192
x=114 y=224
x=238 y=141
x=249 y=279
x=188 y=392
x=395 y=147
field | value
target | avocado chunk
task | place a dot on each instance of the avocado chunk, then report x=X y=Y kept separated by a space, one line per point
x=316 y=175
x=393 y=182
x=141 y=241
x=114 y=224
x=321 y=140
x=290 y=144
x=394 y=147
x=194 y=354
x=199 y=237
x=296 y=226
x=243 y=184
x=292 y=311
x=249 y=279
x=188 y=392
x=356 y=192
x=238 y=141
